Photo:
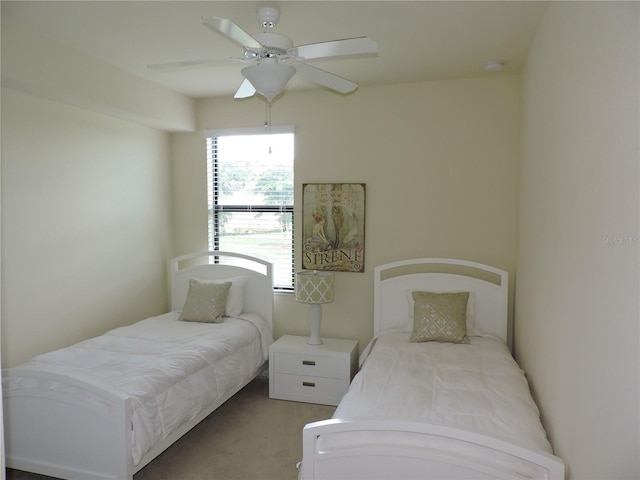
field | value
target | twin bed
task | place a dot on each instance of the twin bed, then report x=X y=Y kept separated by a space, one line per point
x=439 y=395
x=104 y=408
x=458 y=407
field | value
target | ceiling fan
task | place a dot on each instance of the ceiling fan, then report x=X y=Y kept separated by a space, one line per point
x=276 y=60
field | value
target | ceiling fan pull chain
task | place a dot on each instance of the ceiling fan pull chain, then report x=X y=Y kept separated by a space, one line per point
x=267 y=116
x=267 y=121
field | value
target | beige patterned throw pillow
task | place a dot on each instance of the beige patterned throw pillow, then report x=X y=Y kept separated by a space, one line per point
x=206 y=302
x=440 y=317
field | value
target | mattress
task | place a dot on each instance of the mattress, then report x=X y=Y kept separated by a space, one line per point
x=171 y=369
x=476 y=387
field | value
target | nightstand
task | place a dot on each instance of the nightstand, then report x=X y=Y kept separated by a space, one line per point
x=311 y=373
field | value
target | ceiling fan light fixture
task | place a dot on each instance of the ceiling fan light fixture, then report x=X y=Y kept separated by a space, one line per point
x=269 y=79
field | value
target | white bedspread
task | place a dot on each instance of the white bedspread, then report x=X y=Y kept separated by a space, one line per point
x=171 y=369
x=477 y=387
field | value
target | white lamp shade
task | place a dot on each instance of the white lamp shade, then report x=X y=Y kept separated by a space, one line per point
x=269 y=79
x=314 y=287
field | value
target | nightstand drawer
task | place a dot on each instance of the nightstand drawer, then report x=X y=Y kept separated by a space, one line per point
x=311 y=365
x=318 y=389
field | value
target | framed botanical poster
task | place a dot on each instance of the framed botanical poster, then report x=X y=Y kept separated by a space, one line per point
x=333 y=226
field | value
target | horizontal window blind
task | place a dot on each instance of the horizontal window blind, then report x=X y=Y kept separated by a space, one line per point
x=250 y=195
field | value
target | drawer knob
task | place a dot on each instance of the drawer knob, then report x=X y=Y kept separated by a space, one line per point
x=308 y=384
x=308 y=362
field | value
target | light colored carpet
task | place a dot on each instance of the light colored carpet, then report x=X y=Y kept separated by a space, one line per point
x=250 y=437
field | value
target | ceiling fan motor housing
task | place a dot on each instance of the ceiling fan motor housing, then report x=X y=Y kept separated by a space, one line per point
x=273 y=45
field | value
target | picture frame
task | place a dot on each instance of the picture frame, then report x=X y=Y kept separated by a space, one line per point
x=333 y=221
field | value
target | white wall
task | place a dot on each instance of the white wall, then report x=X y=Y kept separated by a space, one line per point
x=40 y=66
x=86 y=183
x=439 y=160
x=577 y=315
x=86 y=224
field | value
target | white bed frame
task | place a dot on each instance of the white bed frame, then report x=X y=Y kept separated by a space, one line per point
x=493 y=459
x=56 y=434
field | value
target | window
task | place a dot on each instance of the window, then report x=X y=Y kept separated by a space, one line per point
x=250 y=196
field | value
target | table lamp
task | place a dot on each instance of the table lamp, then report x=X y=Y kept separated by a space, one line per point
x=314 y=288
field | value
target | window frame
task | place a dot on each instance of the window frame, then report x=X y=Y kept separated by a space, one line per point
x=213 y=220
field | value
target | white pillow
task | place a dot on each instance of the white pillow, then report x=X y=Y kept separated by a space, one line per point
x=472 y=328
x=235 y=299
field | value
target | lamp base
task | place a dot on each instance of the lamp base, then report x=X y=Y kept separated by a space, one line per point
x=315 y=317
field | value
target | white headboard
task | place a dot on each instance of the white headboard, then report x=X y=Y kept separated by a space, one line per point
x=217 y=265
x=392 y=281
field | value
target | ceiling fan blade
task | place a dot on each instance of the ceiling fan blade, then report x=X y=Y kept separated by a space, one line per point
x=338 y=48
x=193 y=63
x=231 y=30
x=329 y=80
x=246 y=90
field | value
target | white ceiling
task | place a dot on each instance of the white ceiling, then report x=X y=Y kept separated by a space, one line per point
x=417 y=40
